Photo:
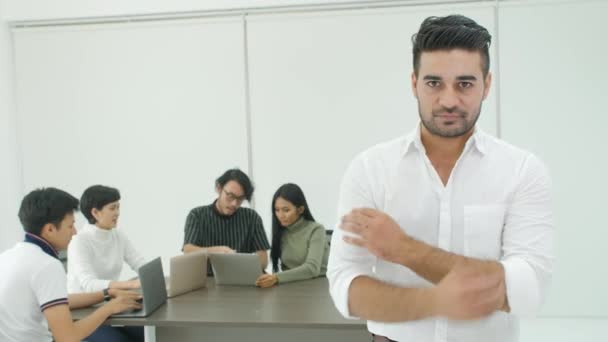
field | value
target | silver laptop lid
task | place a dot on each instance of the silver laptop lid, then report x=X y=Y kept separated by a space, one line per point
x=235 y=268
x=188 y=272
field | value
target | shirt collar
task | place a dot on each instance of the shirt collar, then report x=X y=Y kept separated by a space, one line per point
x=42 y=243
x=413 y=141
x=480 y=140
x=98 y=233
x=220 y=215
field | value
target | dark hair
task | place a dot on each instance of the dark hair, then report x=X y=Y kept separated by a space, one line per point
x=292 y=193
x=451 y=32
x=239 y=177
x=45 y=205
x=97 y=196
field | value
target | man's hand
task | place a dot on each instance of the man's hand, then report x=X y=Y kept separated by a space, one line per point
x=132 y=284
x=114 y=293
x=220 y=249
x=267 y=280
x=377 y=232
x=123 y=303
x=125 y=285
x=468 y=292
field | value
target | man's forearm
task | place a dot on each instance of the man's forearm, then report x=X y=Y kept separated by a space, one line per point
x=374 y=300
x=188 y=248
x=83 y=300
x=87 y=325
x=432 y=263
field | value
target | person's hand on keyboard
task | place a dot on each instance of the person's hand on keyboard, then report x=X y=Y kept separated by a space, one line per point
x=124 y=303
x=124 y=293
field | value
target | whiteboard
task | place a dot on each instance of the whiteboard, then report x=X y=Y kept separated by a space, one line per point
x=553 y=90
x=325 y=87
x=155 y=109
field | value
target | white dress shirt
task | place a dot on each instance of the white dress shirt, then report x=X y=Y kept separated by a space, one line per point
x=495 y=206
x=96 y=257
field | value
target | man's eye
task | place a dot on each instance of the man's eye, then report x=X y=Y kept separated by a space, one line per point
x=465 y=85
x=432 y=84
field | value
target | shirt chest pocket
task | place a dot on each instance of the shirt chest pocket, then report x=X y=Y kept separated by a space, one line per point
x=483 y=226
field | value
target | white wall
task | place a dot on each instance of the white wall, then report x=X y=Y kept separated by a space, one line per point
x=553 y=85
x=155 y=109
x=10 y=174
x=65 y=9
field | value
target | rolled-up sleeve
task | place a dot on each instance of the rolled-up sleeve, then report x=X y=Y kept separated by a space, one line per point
x=346 y=262
x=528 y=252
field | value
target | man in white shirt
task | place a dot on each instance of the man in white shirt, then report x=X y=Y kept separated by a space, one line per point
x=446 y=234
x=33 y=292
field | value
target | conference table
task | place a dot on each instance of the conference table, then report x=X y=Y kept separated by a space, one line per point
x=294 y=312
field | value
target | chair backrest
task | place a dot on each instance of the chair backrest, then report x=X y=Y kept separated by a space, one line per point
x=328 y=234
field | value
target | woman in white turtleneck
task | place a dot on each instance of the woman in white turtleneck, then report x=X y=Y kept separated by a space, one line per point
x=97 y=253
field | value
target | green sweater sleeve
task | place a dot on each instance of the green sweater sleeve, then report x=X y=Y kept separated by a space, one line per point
x=312 y=265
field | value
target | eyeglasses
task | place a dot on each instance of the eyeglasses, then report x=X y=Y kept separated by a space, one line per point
x=232 y=197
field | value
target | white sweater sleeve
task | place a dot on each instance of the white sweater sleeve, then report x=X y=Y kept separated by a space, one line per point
x=132 y=256
x=81 y=266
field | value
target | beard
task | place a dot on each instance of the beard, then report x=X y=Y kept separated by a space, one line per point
x=454 y=129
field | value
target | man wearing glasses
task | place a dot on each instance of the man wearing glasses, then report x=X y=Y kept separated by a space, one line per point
x=225 y=227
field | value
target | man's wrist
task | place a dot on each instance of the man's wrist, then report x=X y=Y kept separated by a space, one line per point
x=106 y=294
x=431 y=298
x=411 y=251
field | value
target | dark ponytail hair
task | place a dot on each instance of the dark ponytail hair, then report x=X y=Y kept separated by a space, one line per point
x=291 y=193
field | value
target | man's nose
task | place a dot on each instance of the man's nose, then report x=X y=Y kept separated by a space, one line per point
x=449 y=98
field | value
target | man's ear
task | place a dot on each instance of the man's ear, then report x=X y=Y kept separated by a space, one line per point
x=487 y=83
x=218 y=188
x=414 y=81
x=47 y=229
x=301 y=210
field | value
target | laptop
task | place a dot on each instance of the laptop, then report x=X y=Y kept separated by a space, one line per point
x=235 y=268
x=153 y=289
x=188 y=273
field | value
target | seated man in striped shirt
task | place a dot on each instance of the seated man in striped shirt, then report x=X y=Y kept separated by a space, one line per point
x=225 y=227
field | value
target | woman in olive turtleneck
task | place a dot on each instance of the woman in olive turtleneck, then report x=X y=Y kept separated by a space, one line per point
x=298 y=242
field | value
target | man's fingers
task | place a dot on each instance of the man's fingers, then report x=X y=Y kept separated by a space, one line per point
x=352 y=227
x=487 y=280
x=354 y=241
x=358 y=217
x=366 y=212
x=487 y=301
x=353 y=223
x=134 y=295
